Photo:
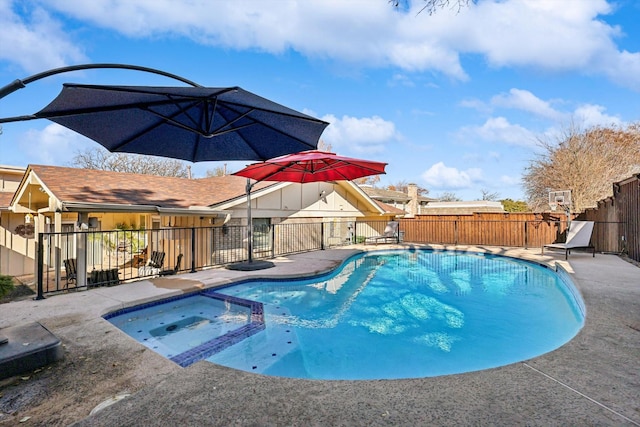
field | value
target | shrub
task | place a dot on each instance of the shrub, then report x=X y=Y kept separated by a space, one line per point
x=6 y=285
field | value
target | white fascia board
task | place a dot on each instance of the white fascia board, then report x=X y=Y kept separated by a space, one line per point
x=242 y=200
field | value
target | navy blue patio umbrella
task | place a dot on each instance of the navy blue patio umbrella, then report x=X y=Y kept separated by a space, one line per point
x=192 y=123
x=188 y=123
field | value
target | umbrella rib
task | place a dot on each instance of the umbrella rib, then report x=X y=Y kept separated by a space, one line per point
x=195 y=128
x=219 y=130
x=153 y=126
x=202 y=131
x=230 y=104
x=104 y=108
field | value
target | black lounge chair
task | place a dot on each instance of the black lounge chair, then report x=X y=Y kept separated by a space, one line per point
x=71 y=270
x=174 y=270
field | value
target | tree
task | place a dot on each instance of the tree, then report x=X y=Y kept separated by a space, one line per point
x=515 y=205
x=218 y=171
x=403 y=186
x=100 y=159
x=487 y=195
x=371 y=180
x=431 y=6
x=449 y=197
x=585 y=162
x=324 y=146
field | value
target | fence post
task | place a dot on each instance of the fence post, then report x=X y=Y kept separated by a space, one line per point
x=40 y=266
x=272 y=228
x=455 y=232
x=193 y=249
x=526 y=235
x=322 y=236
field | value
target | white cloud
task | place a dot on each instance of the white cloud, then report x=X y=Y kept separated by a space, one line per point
x=526 y=101
x=53 y=145
x=501 y=130
x=34 y=40
x=511 y=181
x=441 y=177
x=589 y=115
x=540 y=33
x=401 y=80
x=508 y=33
x=623 y=68
x=364 y=135
x=498 y=129
x=476 y=104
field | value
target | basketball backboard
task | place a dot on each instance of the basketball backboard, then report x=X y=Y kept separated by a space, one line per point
x=560 y=198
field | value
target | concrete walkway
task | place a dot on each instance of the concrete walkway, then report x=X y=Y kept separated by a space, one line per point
x=592 y=380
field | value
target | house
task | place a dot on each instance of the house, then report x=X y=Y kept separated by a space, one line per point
x=463 y=208
x=413 y=205
x=62 y=199
x=410 y=203
x=10 y=177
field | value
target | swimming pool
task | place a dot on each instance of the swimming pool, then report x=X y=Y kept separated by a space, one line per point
x=394 y=314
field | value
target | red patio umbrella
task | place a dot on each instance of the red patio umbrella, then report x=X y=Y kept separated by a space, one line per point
x=312 y=166
x=304 y=167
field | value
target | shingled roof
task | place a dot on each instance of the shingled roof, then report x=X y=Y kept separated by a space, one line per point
x=390 y=209
x=5 y=200
x=384 y=194
x=97 y=186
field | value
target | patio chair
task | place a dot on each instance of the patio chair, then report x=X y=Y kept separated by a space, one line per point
x=71 y=270
x=390 y=235
x=578 y=237
x=171 y=271
x=154 y=265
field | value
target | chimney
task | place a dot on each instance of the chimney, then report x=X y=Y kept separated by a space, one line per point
x=412 y=192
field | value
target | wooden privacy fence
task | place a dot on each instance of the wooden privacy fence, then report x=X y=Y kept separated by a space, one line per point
x=527 y=230
x=622 y=209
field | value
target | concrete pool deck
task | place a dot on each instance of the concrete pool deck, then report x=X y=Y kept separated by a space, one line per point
x=592 y=380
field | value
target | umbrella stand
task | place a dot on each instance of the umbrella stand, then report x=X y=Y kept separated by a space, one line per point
x=250 y=265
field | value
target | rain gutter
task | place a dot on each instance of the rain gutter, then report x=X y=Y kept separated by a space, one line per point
x=113 y=207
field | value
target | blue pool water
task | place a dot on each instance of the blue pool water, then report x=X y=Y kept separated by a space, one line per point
x=394 y=314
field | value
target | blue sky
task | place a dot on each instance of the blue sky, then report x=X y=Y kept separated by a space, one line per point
x=454 y=102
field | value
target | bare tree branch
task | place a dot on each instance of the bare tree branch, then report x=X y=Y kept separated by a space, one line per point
x=488 y=195
x=585 y=162
x=432 y=6
x=101 y=159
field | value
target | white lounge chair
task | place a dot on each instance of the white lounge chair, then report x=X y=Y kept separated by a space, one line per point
x=390 y=234
x=578 y=237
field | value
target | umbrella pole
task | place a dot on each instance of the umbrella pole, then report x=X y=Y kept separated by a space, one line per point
x=250 y=265
x=249 y=221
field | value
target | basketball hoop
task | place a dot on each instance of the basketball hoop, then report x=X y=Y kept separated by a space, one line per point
x=560 y=199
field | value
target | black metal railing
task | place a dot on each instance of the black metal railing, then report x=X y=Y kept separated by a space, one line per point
x=112 y=257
